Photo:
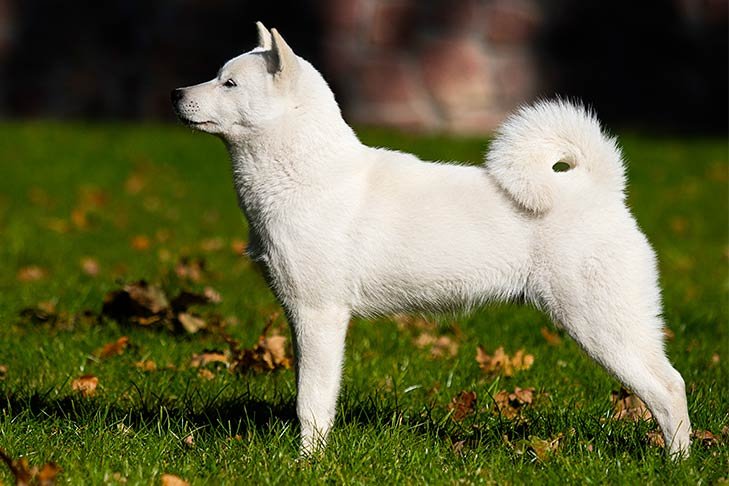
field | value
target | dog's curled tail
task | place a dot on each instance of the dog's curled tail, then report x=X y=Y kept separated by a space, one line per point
x=553 y=150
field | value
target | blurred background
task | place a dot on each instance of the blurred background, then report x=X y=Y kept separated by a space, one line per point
x=453 y=66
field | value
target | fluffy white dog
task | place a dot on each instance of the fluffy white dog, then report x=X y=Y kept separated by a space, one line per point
x=343 y=229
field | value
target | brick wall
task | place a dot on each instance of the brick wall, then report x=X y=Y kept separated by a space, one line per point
x=455 y=66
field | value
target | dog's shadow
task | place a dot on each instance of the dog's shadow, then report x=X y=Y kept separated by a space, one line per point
x=242 y=414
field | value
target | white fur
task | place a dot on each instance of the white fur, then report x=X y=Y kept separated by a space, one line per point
x=343 y=229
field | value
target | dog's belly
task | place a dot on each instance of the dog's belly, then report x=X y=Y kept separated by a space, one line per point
x=442 y=268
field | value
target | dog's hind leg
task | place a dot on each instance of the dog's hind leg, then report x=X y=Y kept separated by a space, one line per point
x=319 y=336
x=619 y=326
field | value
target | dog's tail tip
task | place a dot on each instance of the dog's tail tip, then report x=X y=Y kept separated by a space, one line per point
x=552 y=149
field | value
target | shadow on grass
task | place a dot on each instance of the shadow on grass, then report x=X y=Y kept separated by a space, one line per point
x=246 y=413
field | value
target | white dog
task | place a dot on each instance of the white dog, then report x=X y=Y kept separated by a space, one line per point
x=343 y=229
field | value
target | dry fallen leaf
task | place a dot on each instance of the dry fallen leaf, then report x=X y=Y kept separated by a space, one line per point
x=85 y=385
x=207 y=357
x=509 y=404
x=552 y=338
x=134 y=301
x=47 y=474
x=31 y=273
x=3 y=371
x=655 y=438
x=502 y=363
x=90 y=266
x=172 y=480
x=190 y=269
x=205 y=374
x=191 y=323
x=134 y=183
x=706 y=438
x=146 y=365
x=715 y=359
x=270 y=353
x=463 y=405
x=213 y=244
x=189 y=441
x=140 y=243
x=668 y=334
x=115 y=348
x=238 y=247
x=439 y=346
x=406 y=321
x=543 y=449
x=212 y=295
x=627 y=406
x=25 y=475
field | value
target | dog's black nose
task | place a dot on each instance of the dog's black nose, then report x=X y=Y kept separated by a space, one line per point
x=176 y=95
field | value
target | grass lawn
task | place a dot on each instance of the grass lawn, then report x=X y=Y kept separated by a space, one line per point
x=85 y=209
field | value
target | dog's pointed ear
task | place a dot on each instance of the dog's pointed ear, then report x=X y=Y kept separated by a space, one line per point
x=264 y=36
x=284 y=63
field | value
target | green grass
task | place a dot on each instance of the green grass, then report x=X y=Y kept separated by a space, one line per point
x=394 y=424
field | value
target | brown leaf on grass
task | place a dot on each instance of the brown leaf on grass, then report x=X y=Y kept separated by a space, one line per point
x=270 y=353
x=115 y=348
x=172 y=480
x=3 y=371
x=189 y=441
x=543 y=449
x=510 y=404
x=409 y=322
x=134 y=301
x=627 y=406
x=715 y=359
x=211 y=356
x=90 y=266
x=439 y=346
x=213 y=244
x=190 y=269
x=47 y=474
x=146 y=305
x=85 y=385
x=79 y=218
x=191 y=323
x=212 y=295
x=24 y=475
x=668 y=334
x=500 y=362
x=43 y=312
x=140 y=243
x=706 y=438
x=134 y=183
x=186 y=299
x=552 y=338
x=238 y=247
x=463 y=404
x=655 y=438
x=146 y=365
x=205 y=374
x=31 y=273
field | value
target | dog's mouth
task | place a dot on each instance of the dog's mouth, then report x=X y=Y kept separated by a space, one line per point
x=197 y=124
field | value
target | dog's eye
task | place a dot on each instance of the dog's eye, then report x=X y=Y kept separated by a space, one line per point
x=230 y=84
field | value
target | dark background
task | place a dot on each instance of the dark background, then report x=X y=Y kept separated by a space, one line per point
x=655 y=64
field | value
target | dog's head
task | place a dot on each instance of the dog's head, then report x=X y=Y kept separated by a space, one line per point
x=249 y=92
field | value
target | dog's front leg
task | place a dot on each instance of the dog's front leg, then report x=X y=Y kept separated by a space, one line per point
x=319 y=336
